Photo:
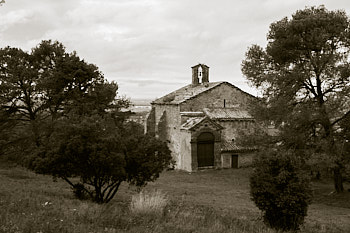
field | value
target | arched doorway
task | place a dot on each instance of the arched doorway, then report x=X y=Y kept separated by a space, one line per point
x=205 y=150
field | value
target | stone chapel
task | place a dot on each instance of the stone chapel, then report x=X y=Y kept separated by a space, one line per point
x=201 y=121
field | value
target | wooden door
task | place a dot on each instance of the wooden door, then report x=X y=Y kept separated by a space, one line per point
x=234 y=161
x=205 y=150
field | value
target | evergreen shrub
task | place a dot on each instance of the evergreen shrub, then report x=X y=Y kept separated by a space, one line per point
x=280 y=189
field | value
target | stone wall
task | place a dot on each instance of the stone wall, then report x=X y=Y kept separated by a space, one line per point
x=224 y=95
x=217 y=144
x=163 y=127
x=151 y=123
x=232 y=128
x=244 y=159
x=226 y=160
x=171 y=131
x=165 y=121
x=185 y=158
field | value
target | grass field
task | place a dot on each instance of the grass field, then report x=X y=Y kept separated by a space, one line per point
x=205 y=201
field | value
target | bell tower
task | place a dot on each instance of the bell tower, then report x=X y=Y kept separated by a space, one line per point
x=200 y=74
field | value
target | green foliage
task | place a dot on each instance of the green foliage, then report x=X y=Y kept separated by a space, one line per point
x=46 y=84
x=303 y=74
x=146 y=156
x=84 y=147
x=280 y=189
x=102 y=154
x=344 y=146
x=59 y=116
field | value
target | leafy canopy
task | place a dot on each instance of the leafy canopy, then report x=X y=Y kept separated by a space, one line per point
x=61 y=117
x=304 y=76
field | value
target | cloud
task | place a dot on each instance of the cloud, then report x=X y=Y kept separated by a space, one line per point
x=148 y=46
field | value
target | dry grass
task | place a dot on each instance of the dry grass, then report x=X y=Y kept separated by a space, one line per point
x=146 y=202
x=206 y=201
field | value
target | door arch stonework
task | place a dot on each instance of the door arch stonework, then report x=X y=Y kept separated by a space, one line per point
x=195 y=135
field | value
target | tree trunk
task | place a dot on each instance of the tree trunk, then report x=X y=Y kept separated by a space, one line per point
x=337 y=170
x=338 y=180
x=35 y=129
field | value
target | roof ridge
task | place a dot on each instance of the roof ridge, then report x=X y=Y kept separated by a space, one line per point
x=216 y=84
x=171 y=97
x=191 y=91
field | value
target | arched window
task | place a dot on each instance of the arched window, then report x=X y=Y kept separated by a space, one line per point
x=200 y=74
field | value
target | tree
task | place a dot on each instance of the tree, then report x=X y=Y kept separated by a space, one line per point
x=44 y=85
x=146 y=157
x=65 y=120
x=303 y=74
x=85 y=147
x=94 y=149
x=280 y=189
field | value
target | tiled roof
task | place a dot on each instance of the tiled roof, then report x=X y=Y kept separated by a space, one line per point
x=227 y=113
x=186 y=93
x=192 y=114
x=194 y=121
x=191 y=122
x=231 y=147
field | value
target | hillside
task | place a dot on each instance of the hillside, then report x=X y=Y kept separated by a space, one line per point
x=206 y=201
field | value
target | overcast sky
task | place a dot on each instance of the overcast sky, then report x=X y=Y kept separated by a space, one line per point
x=149 y=46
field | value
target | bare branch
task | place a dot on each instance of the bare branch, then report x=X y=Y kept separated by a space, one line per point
x=341 y=118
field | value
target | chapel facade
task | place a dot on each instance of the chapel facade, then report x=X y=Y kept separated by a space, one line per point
x=201 y=121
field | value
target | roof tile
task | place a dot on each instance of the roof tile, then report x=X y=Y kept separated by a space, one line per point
x=185 y=93
x=227 y=113
x=231 y=147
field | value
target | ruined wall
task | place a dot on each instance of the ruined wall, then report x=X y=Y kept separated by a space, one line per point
x=185 y=158
x=221 y=96
x=151 y=123
x=170 y=132
x=163 y=127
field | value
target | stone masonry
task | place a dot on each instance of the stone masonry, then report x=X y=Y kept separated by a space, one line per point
x=201 y=121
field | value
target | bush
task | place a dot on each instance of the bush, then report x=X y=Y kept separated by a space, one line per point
x=101 y=154
x=280 y=189
x=146 y=157
x=148 y=203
